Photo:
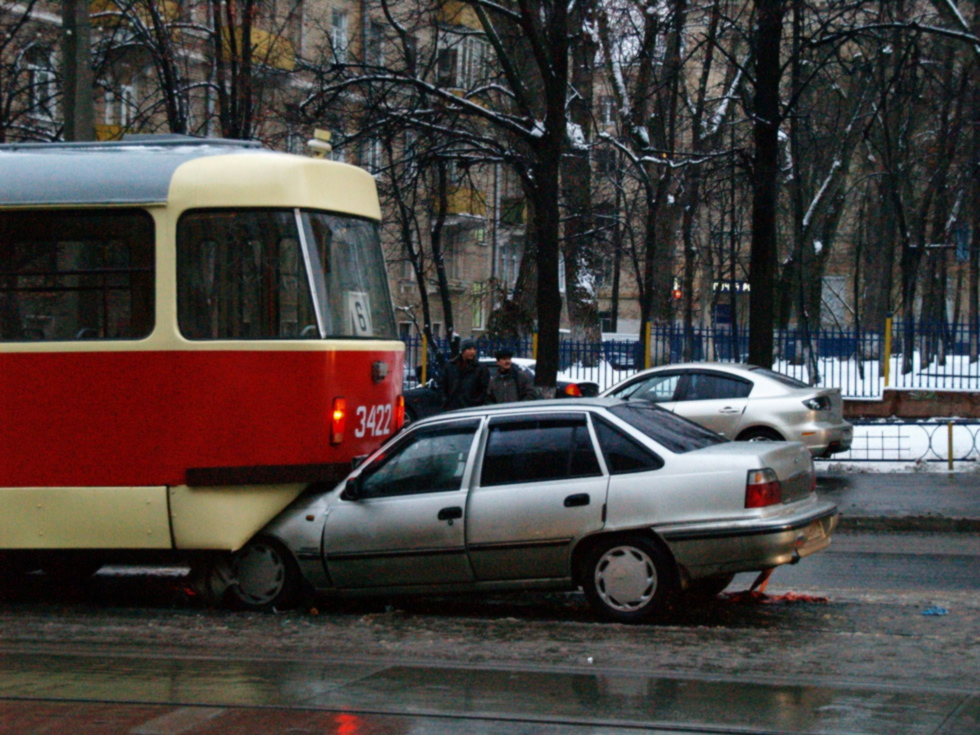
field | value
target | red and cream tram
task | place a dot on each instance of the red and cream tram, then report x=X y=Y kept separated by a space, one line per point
x=192 y=332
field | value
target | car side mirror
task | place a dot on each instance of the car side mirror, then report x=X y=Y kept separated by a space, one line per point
x=352 y=490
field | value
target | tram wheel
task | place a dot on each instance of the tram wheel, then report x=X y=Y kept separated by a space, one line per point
x=264 y=576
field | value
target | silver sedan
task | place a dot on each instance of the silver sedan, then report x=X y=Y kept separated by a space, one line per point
x=621 y=498
x=746 y=403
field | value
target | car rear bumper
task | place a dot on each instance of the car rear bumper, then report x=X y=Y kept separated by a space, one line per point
x=724 y=547
x=824 y=439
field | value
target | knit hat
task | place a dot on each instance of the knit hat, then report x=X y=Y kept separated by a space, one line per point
x=467 y=344
x=504 y=352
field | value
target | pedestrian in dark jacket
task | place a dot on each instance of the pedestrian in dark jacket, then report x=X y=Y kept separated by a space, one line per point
x=465 y=381
x=510 y=382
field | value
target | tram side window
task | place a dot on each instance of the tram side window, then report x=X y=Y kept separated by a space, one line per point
x=76 y=274
x=241 y=274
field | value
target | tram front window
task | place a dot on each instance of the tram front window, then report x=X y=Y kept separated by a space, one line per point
x=280 y=274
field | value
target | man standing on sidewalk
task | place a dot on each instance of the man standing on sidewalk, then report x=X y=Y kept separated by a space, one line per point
x=466 y=380
x=510 y=382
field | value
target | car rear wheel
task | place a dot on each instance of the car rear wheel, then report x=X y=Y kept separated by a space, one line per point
x=760 y=434
x=627 y=579
x=264 y=576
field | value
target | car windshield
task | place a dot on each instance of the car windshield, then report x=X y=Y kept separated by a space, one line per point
x=784 y=379
x=671 y=431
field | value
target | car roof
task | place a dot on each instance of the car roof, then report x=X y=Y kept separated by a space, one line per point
x=548 y=405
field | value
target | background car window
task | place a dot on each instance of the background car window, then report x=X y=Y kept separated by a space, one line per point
x=656 y=389
x=429 y=460
x=711 y=386
x=669 y=430
x=622 y=453
x=535 y=449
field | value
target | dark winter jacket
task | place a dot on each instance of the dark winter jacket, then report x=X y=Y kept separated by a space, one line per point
x=465 y=384
x=514 y=385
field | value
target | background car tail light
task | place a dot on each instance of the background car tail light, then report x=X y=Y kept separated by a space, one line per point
x=573 y=390
x=818 y=403
x=338 y=419
x=399 y=413
x=762 y=489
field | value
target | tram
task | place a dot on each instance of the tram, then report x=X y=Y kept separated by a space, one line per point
x=192 y=333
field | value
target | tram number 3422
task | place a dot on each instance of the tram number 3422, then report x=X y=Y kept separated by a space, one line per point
x=373 y=421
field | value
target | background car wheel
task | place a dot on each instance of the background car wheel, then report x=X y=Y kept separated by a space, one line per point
x=760 y=434
x=264 y=575
x=709 y=587
x=628 y=579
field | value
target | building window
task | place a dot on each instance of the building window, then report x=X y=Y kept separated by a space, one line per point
x=607 y=104
x=371 y=155
x=461 y=62
x=605 y=160
x=338 y=36
x=120 y=105
x=376 y=44
x=41 y=84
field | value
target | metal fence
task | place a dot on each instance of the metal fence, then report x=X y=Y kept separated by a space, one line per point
x=913 y=442
x=923 y=356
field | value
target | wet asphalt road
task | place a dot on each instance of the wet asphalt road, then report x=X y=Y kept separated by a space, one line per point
x=841 y=645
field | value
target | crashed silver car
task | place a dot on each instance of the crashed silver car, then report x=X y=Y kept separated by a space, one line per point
x=745 y=403
x=621 y=498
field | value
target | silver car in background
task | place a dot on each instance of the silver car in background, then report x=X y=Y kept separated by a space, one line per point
x=745 y=403
x=621 y=498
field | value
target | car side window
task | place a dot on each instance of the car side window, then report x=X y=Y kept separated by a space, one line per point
x=656 y=389
x=533 y=449
x=623 y=454
x=429 y=460
x=711 y=386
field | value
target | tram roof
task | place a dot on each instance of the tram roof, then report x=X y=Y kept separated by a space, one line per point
x=140 y=169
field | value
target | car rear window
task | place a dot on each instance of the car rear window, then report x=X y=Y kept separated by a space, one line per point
x=779 y=377
x=671 y=431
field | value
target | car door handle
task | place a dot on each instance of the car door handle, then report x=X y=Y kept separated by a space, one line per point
x=580 y=499
x=448 y=514
x=729 y=409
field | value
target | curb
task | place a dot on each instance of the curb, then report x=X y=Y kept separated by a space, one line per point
x=922 y=524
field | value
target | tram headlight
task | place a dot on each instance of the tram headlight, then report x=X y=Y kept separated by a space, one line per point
x=338 y=420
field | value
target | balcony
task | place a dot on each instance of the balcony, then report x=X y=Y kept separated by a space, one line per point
x=464 y=200
x=457 y=13
x=268 y=49
x=112 y=13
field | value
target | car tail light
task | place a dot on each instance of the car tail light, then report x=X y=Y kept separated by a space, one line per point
x=573 y=390
x=818 y=403
x=338 y=420
x=762 y=489
x=399 y=413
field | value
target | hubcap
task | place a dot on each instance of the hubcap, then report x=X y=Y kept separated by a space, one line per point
x=260 y=574
x=625 y=578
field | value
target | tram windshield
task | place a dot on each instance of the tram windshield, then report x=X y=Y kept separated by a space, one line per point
x=280 y=274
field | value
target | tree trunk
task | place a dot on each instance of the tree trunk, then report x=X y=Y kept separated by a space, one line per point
x=765 y=171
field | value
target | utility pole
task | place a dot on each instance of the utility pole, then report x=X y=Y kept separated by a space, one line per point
x=77 y=100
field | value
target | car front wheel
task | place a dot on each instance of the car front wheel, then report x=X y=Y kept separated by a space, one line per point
x=264 y=576
x=627 y=579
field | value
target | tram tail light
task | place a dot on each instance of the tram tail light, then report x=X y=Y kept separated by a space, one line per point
x=762 y=488
x=338 y=420
x=399 y=413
